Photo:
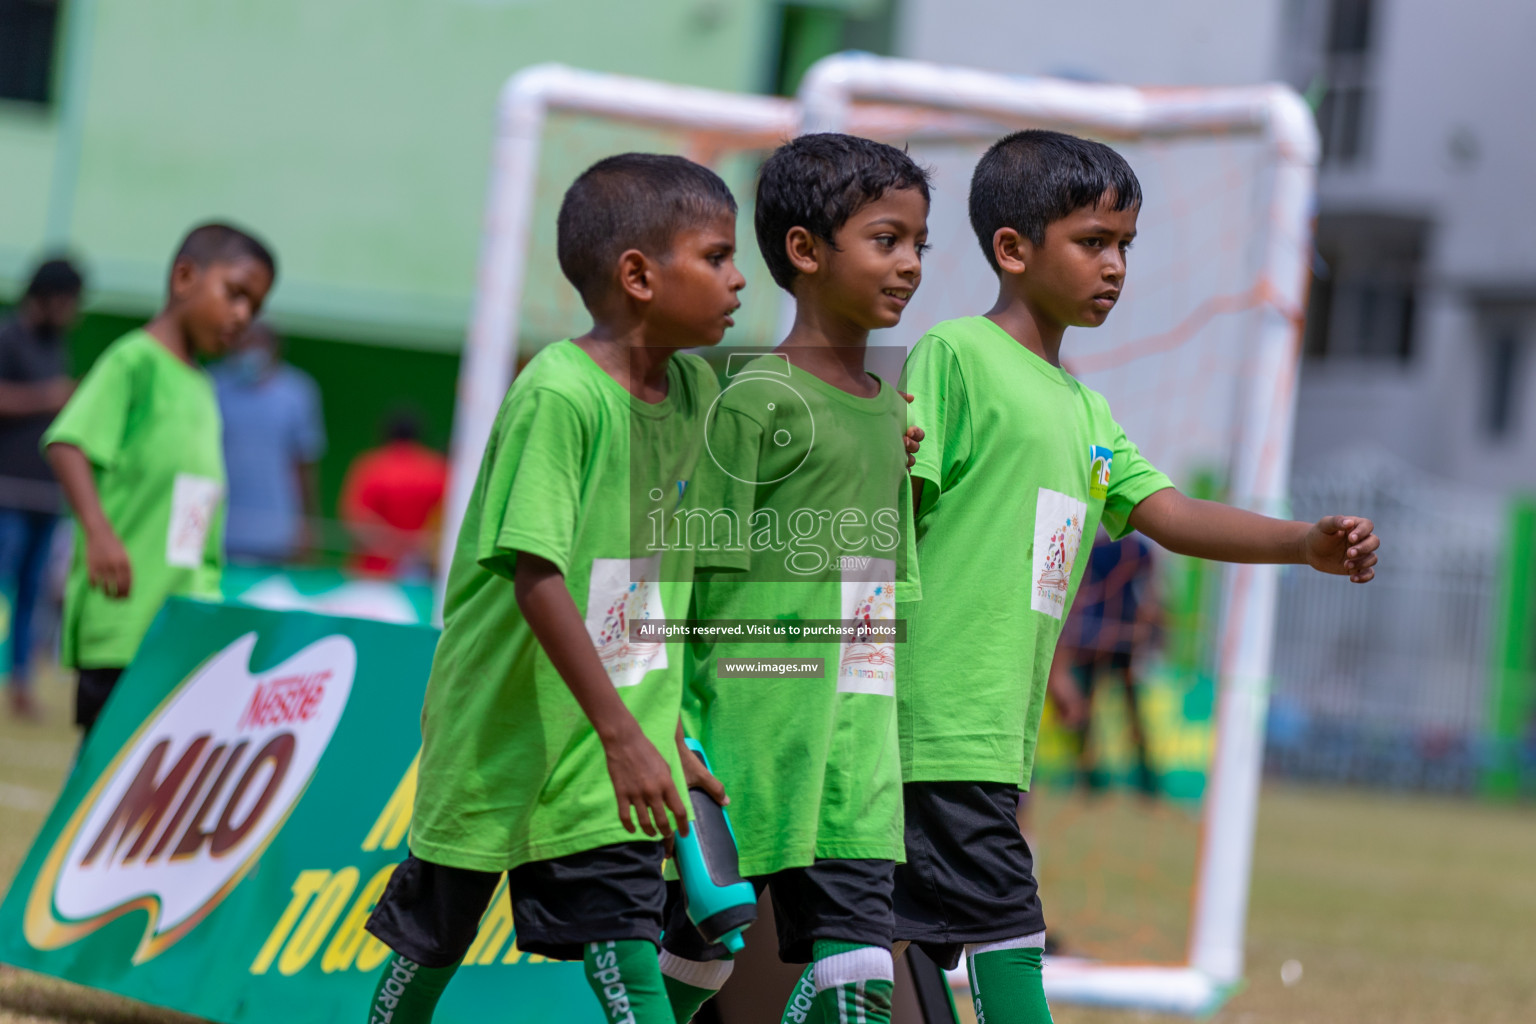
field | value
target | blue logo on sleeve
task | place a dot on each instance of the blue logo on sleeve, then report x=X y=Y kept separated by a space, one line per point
x=1100 y=459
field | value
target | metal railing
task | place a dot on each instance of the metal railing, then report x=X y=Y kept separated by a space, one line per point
x=1387 y=684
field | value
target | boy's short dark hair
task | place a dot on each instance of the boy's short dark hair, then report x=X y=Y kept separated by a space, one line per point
x=1031 y=178
x=220 y=243
x=817 y=182
x=632 y=201
x=54 y=278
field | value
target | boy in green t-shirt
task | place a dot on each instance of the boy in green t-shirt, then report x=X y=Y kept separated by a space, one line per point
x=809 y=475
x=542 y=711
x=137 y=451
x=1020 y=463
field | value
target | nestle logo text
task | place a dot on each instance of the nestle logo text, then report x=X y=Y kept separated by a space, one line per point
x=289 y=699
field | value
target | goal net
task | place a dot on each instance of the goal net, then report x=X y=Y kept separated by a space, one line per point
x=1198 y=361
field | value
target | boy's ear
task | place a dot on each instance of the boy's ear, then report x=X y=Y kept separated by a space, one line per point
x=802 y=249
x=1011 y=250
x=184 y=273
x=635 y=275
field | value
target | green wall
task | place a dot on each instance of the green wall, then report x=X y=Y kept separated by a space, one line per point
x=355 y=136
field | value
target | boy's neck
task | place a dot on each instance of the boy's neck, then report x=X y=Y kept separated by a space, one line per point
x=628 y=357
x=165 y=329
x=830 y=348
x=1027 y=326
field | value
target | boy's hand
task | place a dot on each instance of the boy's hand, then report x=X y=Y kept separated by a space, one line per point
x=642 y=780
x=698 y=777
x=107 y=565
x=913 y=438
x=1342 y=546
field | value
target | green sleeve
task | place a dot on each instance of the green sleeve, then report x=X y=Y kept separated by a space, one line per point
x=940 y=406
x=95 y=420
x=530 y=487
x=1131 y=480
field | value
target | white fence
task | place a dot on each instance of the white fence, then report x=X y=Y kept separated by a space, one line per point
x=1387 y=683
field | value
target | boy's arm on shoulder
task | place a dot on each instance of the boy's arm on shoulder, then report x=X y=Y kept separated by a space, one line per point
x=106 y=560
x=1339 y=545
x=641 y=778
x=934 y=387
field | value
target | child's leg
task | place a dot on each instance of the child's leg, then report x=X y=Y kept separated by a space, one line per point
x=969 y=881
x=692 y=968
x=407 y=993
x=692 y=983
x=428 y=915
x=839 y=912
x=853 y=982
x=603 y=907
x=1006 y=986
x=625 y=975
x=92 y=688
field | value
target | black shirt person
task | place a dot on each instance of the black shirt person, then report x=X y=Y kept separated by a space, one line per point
x=34 y=385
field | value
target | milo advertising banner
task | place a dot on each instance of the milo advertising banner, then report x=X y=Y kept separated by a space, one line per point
x=235 y=817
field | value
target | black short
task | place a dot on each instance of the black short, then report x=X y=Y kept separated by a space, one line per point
x=969 y=875
x=837 y=899
x=92 y=689
x=430 y=913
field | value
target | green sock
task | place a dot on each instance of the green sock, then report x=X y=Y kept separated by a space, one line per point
x=408 y=992
x=853 y=982
x=691 y=983
x=801 y=1008
x=1009 y=980
x=626 y=977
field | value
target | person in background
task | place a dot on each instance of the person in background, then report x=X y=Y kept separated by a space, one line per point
x=1113 y=622
x=34 y=385
x=274 y=436
x=137 y=451
x=391 y=502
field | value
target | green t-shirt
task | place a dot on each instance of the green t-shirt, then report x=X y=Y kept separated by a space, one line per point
x=1019 y=463
x=511 y=769
x=149 y=423
x=816 y=479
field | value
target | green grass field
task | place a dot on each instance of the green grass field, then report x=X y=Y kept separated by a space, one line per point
x=1401 y=910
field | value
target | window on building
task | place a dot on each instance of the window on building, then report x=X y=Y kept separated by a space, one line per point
x=1503 y=354
x=1364 y=298
x=27 y=32
x=1506 y=323
x=1344 y=110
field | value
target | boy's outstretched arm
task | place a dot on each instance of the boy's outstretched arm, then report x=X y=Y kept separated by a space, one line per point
x=106 y=560
x=1340 y=545
x=641 y=778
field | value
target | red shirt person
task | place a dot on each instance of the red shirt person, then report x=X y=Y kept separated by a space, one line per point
x=392 y=502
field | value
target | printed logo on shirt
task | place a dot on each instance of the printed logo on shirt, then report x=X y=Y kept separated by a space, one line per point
x=194 y=503
x=1100 y=460
x=623 y=591
x=866 y=664
x=1058 y=536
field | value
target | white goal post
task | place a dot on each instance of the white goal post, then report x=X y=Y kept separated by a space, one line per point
x=904 y=101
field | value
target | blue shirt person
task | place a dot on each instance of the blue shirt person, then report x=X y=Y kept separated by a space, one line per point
x=273 y=437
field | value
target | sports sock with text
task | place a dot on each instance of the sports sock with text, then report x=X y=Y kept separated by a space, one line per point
x=625 y=974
